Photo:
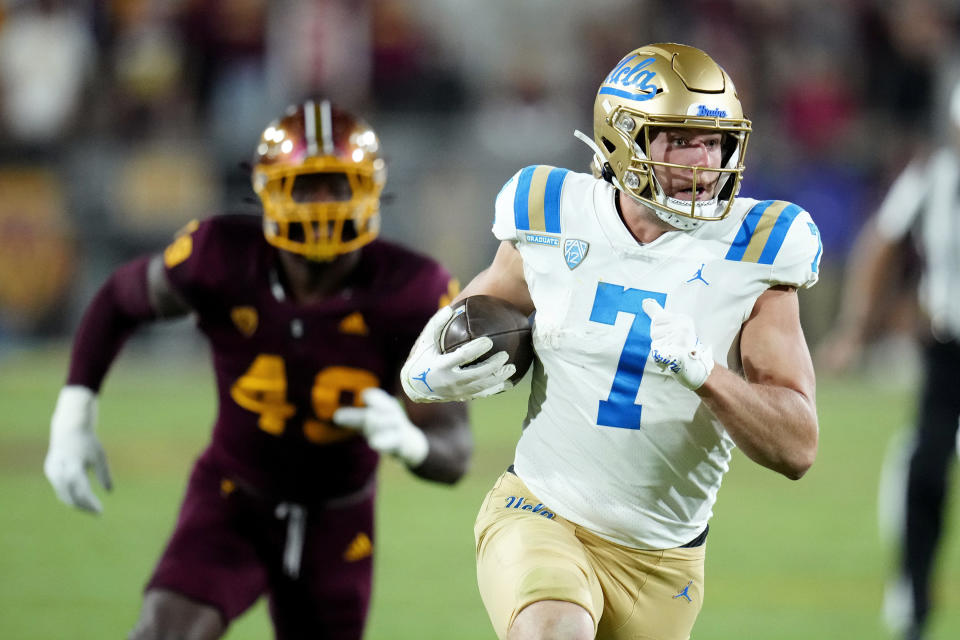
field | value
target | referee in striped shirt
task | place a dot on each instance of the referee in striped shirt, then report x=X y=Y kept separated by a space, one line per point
x=922 y=205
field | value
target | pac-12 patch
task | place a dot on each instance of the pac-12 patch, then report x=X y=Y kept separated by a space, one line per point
x=574 y=251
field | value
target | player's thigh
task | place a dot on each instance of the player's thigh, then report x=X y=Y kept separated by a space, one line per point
x=212 y=556
x=527 y=554
x=330 y=597
x=648 y=594
x=166 y=615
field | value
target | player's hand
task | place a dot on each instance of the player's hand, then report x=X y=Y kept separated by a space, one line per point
x=431 y=376
x=675 y=348
x=386 y=427
x=839 y=352
x=74 y=449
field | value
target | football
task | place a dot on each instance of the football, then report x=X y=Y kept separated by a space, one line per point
x=507 y=326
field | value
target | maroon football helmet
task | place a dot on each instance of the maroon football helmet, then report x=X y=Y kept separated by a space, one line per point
x=319 y=175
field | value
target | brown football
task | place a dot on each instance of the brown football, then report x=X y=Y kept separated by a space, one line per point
x=507 y=326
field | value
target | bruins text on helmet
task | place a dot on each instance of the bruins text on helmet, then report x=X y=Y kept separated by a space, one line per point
x=319 y=175
x=668 y=86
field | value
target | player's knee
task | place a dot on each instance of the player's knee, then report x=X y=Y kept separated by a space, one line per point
x=169 y=616
x=552 y=619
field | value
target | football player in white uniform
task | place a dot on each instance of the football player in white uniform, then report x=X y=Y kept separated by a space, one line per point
x=666 y=332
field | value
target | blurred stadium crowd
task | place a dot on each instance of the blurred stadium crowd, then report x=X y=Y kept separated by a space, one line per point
x=122 y=120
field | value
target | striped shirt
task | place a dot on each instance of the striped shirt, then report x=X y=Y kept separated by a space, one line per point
x=925 y=199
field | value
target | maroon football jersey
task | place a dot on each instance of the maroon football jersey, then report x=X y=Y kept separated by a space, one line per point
x=282 y=367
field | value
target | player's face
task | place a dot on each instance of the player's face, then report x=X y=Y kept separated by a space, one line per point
x=321 y=187
x=691 y=147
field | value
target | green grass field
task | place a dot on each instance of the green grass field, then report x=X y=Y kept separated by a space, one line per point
x=786 y=560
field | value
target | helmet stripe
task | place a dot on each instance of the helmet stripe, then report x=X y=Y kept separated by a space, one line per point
x=620 y=93
x=326 y=127
x=310 y=127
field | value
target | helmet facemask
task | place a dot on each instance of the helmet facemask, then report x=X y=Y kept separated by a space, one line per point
x=639 y=178
x=320 y=209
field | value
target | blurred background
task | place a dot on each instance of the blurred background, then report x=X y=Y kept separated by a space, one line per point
x=121 y=120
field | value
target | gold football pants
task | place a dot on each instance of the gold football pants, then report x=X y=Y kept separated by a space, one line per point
x=526 y=553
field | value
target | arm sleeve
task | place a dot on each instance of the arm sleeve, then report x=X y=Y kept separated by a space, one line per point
x=120 y=306
x=903 y=201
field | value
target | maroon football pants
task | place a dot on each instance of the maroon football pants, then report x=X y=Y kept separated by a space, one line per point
x=230 y=547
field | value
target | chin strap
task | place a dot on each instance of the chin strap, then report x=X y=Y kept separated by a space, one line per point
x=683 y=223
x=605 y=171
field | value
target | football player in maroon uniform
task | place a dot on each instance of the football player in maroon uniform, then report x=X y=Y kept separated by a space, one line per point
x=309 y=318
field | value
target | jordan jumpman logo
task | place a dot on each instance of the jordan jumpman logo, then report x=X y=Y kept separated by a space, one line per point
x=685 y=592
x=423 y=378
x=699 y=275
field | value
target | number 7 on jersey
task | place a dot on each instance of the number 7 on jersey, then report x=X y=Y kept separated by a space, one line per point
x=620 y=409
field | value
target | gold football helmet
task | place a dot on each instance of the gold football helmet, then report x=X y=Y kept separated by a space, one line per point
x=667 y=86
x=319 y=175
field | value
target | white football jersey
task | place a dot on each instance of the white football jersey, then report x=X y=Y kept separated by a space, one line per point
x=609 y=442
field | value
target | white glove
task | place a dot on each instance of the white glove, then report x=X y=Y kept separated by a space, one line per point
x=675 y=348
x=74 y=448
x=431 y=376
x=386 y=427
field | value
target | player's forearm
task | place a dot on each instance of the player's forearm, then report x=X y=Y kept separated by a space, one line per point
x=870 y=271
x=774 y=426
x=119 y=307
x=448 y=455
x=503 y=279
